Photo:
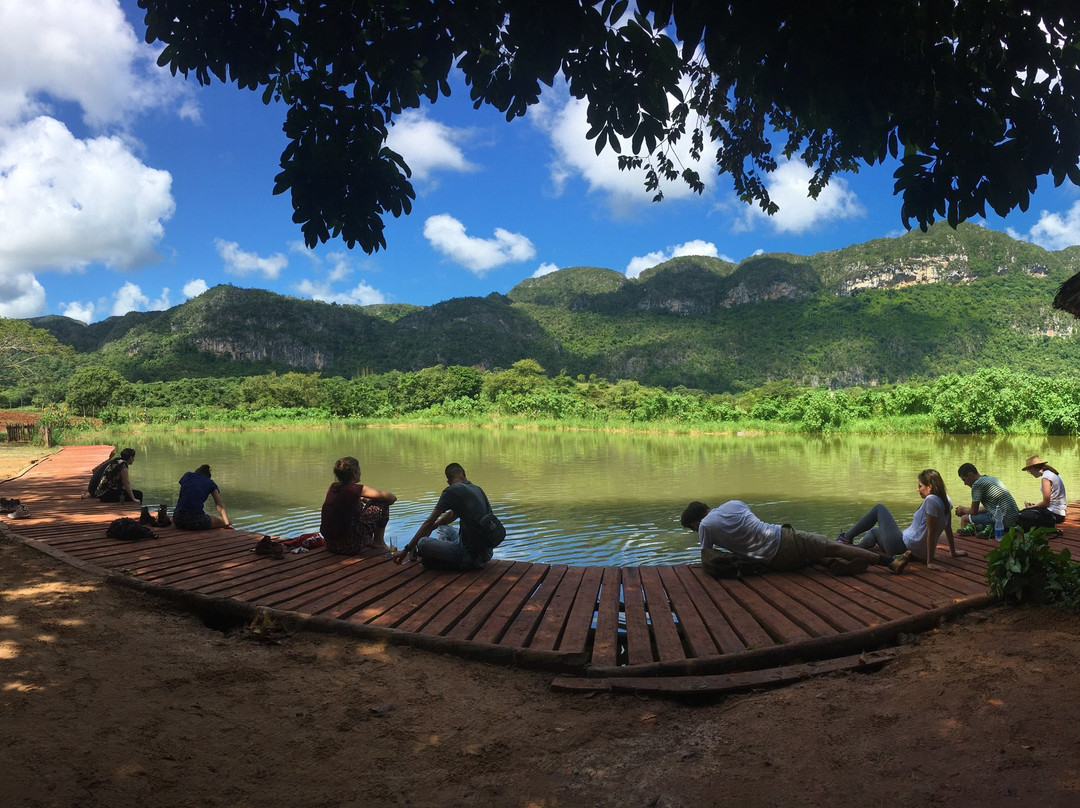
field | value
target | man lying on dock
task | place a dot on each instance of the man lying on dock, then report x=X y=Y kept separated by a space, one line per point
x=734 y=527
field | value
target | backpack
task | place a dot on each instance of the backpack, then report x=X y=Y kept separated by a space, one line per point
x=492 y=531
x=725 y=564
x=95 y=477
x=127 y=529
x=100 y=475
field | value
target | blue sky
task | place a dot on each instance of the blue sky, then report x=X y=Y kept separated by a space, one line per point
x=123 y=188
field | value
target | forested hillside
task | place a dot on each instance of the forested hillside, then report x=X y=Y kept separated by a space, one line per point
x=921 y=305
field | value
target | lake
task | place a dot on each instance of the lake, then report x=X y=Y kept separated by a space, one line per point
x=583 y=497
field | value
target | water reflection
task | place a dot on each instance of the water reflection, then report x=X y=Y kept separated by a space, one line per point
x=587 y=498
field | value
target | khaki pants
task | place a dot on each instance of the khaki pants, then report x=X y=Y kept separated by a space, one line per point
x=798 y=549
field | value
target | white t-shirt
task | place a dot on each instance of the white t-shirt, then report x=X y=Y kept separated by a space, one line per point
x=915 y=535
x=1057 y=492
x=733 y=526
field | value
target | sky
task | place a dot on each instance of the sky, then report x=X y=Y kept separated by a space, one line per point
x=124 y=188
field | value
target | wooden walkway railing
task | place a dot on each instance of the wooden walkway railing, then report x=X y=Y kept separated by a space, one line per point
x=593 y=621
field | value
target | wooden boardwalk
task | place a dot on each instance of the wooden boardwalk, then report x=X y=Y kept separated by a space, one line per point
x=670 y=620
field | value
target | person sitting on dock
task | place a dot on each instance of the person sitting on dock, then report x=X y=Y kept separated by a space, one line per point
x=354 y=515
x=110 y=482
x=465 y=548
x=195 y=487
x=1050 y=510
x=878 y=526
x=987 y=495
x=734 y=528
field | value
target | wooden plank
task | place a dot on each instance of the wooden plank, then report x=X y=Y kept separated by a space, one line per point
x=866 y=590
x=470 y=623
x=638 y=637
x=720 y=684
x=695 y=633
x=605 y=645
x=751 y=633
x=779 y=626
x=549 y=630
x=832 y=598
x=579 y=624
x=338 y=582
x=449 y=610
x=669 y=644
x=403 y=603
x=494 y=628
x=778 y=591
x=520 y=631
x=375 y=587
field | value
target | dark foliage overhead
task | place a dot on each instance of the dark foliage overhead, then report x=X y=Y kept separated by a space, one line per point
x=977 y=100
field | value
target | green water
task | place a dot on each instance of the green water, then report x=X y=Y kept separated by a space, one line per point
x=587 y=498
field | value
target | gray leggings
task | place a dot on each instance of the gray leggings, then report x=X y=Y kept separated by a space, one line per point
x=881 y=531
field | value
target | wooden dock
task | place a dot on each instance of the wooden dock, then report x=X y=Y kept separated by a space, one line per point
x=597 y=623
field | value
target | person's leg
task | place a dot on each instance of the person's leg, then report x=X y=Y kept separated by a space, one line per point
x=444 y=550
x=869 y=540
x=887 y=534
x=799 y=548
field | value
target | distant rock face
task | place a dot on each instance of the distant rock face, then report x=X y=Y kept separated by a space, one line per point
x=952 y=268
x=293 y=354
x=907 y=272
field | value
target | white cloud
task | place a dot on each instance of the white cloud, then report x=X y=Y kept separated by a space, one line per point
x=447 y=235
x=130 y=297
x=84 y=52
x=241 y=262
x=66 y=203
x=21 y=295
x=79 y=311
x=798 y=212
x=640 y=263
x=1054 y=231
x=194 y=288
x=428 y=146
x=545 y=269
x=339 y=269
x=361 y=295
x=566 y=125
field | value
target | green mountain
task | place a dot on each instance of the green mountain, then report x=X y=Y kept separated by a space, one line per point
x=922 y=304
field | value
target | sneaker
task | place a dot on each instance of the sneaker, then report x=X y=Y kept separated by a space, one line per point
x=967 y=530
x=843 y=539
x=899 y=563
x=163 y=519
x=986 y=532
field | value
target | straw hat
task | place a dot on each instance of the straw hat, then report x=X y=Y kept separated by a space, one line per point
x=1033 y=461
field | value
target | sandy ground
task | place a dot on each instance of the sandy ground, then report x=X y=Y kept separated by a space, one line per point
x=109 y=697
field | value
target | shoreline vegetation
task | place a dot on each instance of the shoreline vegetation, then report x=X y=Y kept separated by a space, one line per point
x=991 y=401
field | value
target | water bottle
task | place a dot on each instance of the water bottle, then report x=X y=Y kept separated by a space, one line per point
x=999 y=524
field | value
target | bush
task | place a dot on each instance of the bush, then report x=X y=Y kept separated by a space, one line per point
x=1025 y=568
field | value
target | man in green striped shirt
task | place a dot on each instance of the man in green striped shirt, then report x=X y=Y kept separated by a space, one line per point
x=987 y=495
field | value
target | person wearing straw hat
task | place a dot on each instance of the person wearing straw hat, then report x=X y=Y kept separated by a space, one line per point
x=1050 y=510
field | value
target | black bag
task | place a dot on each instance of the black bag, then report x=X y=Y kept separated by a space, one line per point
x=96 y=475
x=724 y=564
x=492 y=531
x=127 y=529
x=1037 y=517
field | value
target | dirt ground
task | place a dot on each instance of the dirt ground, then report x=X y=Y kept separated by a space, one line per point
x=109 y=697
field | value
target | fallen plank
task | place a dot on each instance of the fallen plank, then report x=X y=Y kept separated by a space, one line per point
x=725 y=682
